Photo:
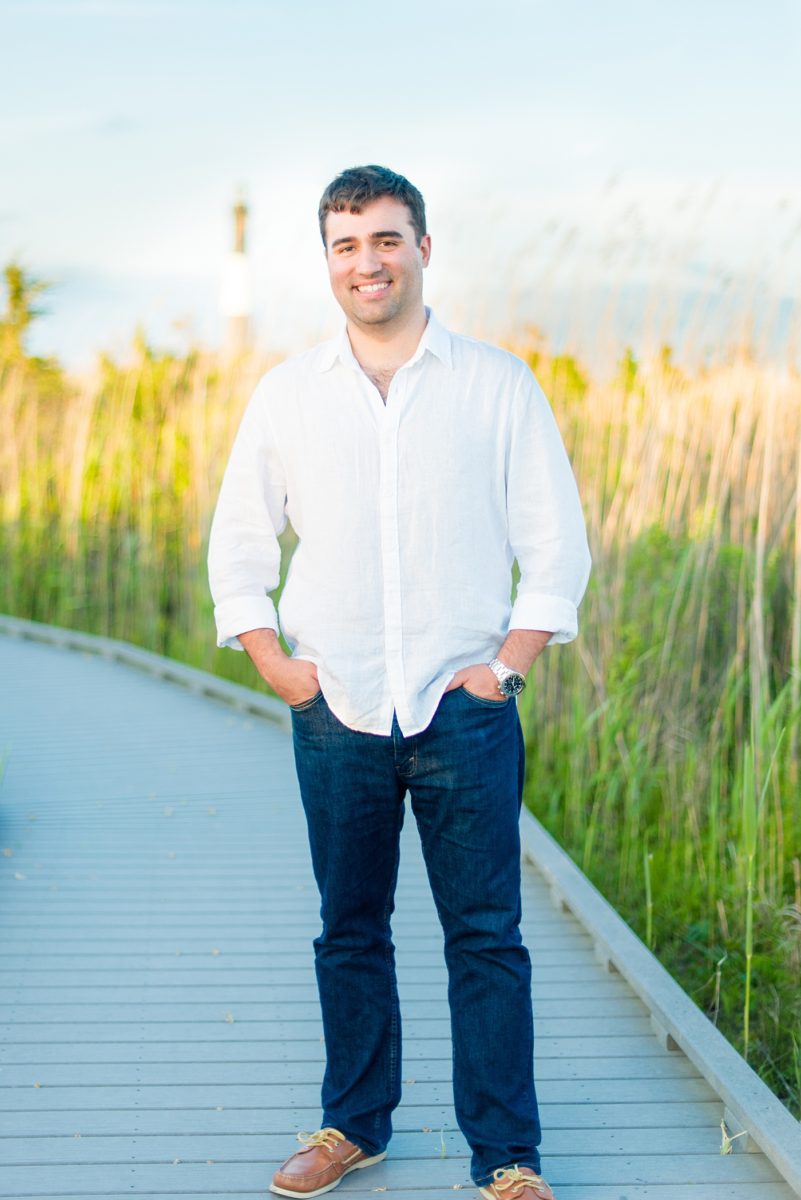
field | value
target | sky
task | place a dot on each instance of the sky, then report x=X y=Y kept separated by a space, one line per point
x=603 y=172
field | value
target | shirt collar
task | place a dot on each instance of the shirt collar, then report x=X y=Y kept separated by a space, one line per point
x=435 y=339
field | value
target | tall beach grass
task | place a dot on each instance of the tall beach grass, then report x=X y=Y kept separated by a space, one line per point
x=663 y=744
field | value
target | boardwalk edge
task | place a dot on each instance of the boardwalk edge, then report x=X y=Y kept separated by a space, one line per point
x=743 y=1094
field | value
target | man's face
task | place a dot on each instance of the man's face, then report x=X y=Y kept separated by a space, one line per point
x=374 y=263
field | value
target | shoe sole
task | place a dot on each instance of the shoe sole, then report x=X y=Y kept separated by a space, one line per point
x=365 y=1162
x=490 y=1195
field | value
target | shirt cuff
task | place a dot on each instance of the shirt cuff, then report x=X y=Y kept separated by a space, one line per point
x=536 y=610
x=241 y=614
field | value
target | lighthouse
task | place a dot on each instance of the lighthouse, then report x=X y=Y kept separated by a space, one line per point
x=235 y=300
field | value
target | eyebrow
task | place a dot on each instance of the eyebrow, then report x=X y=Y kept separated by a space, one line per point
x=384 y=233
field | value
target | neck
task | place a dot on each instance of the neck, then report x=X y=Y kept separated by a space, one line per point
x=384 y=349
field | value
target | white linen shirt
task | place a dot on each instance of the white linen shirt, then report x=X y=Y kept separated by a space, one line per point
x=409 y=516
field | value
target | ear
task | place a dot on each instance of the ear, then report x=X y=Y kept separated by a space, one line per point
x=425 y=249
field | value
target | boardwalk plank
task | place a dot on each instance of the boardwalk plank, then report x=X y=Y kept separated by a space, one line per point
x=286 y=1121
x=271 y=1041
x=420 y=1091
x=726 y=1191
x=276 y=1003
x=225 y=1176
x=36 y=1069
x=431 y=1062
x=274 y=1147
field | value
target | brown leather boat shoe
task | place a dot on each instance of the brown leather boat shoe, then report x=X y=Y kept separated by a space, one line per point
x=326 y=1157
x=517 y=1183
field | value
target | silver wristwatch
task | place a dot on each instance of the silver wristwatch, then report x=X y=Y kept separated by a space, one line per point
x=510 y=683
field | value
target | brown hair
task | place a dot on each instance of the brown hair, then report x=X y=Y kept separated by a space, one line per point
x=357 y=186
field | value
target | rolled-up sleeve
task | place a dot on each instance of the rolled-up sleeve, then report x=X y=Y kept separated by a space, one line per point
x=547 y=533
x=244 y=557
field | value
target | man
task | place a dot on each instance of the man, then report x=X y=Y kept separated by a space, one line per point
x=415 y=465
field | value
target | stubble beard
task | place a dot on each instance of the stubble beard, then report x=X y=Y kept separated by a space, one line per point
x=374 y=314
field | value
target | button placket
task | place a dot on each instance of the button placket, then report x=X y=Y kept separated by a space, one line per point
x=390 y=548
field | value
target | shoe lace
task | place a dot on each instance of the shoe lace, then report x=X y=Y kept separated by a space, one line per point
x=506 y=1178
x=322 y=1137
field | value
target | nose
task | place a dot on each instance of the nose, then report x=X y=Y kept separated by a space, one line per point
x=367 y=260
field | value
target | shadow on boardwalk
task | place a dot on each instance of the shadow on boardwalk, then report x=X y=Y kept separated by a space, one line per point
x=160 y=1027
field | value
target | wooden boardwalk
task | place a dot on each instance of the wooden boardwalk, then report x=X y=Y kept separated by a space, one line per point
x=159 y=1022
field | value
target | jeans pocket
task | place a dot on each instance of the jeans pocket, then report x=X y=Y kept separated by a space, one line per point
x=482 y=700
x=304 y=704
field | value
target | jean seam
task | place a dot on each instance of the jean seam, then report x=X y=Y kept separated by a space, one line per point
x=393 y=990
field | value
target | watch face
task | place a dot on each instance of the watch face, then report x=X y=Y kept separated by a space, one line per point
x=512 y=685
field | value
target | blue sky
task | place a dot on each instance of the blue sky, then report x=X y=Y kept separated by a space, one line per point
x=643 y=150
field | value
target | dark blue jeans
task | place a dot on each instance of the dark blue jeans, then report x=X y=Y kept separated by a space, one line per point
x=464 y=774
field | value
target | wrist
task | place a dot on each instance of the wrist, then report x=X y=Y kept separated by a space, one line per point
x=522 y=647
x=265 y=652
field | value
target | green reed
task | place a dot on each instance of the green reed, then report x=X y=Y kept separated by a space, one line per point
x=689 y=653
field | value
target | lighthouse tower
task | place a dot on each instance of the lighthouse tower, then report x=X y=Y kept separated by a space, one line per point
x=235 y=300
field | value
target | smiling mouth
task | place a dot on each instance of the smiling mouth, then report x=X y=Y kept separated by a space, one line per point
x=372 y=288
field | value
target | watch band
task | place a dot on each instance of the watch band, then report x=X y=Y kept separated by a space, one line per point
x=510 y=682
